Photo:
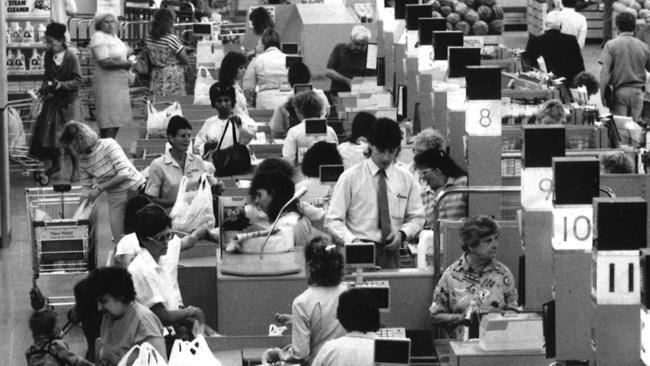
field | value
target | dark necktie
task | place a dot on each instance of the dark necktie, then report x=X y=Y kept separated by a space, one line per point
x=382 y=202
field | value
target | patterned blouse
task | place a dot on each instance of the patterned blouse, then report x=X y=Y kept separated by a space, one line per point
x=459 y=285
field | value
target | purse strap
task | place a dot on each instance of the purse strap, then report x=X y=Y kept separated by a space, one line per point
x=223 y=135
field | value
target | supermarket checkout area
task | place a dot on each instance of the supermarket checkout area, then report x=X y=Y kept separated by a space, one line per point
x=245 y=305
x=239 y=298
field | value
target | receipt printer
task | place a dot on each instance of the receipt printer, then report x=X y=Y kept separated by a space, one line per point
x=502 y=332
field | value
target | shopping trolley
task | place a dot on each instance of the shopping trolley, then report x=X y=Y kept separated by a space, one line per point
x=21 y=116
x=64 y=235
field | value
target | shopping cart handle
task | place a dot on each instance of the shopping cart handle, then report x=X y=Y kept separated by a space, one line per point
x=62 y=188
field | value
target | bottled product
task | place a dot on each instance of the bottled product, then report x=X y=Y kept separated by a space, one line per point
x=19 y=61
x=35 y=62
x=16 y=33
x=425 y=249
x=10 y=61
x=474 y=320
x=28 y=33
x=41 y=33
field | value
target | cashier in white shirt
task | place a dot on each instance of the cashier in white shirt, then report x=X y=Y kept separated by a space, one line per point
x=355 y=210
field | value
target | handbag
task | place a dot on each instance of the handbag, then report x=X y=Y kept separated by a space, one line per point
x=157 y=120
x=196 y=353
x=233 y=160
x=146 y=356
x=193 y=209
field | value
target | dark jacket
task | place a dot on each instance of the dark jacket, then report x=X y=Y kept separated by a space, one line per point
x=560 y=51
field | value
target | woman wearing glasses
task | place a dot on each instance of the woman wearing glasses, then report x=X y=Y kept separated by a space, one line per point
x=440 y=172
x=155 y=287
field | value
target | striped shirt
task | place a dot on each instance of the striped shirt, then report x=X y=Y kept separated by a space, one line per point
x=169 y=40
x=105 y=161
x=452 y=207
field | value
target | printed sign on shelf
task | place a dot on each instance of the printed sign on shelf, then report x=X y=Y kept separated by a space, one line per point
x=473 y=41
x=573 y=227
x=537 y=189
x=483 y=117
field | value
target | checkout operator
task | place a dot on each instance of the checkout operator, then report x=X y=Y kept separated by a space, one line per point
x=477 y=276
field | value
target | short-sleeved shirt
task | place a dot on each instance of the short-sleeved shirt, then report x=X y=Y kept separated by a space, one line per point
x=348 y=64
x=106 y=45
x=314 y=321
x=353 y=349
x=627 y=59
x=129 y=244
x=214 y=128
x=459 y=285
x=106 y=160
x=165 y=174
x=137 y=325
x=152 y=284
x=298 y=142
x=453 y=206
x=163 y=50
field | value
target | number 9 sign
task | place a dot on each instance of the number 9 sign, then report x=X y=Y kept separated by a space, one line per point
x=483 y=118
x=573 y=227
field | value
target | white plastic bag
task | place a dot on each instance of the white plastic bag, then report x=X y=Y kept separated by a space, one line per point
x=204 y=81
x=195 y=353
x=17 y=142
x=157 y=121
x=147 y=356
x=193 y=209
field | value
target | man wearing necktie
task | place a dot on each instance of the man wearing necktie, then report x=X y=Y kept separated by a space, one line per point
x=377 y=201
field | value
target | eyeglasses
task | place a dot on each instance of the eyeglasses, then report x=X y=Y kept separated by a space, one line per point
x=159 y=238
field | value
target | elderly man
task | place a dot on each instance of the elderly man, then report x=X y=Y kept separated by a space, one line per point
x=348 y=60
x=560 y=51
x=624 y=61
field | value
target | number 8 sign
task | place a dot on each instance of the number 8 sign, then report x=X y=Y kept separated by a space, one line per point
x=573 y=227
x=483 y=118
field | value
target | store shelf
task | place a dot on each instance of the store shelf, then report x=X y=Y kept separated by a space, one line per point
x=27 y=45
x=25 y=73
x=28 y=16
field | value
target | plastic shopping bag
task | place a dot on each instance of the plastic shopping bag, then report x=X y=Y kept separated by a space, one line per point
x=146 y=356
x=17 y=141
x=204 y=81
x=193 y=209
x=195 y=353
x=157 y=120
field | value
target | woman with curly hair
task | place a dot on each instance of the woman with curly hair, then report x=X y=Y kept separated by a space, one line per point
x=232 y=70
x=313 y=313
x=166 y=56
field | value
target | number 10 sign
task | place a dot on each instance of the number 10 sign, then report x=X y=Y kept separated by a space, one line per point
x=573 y=227
x=483 y=118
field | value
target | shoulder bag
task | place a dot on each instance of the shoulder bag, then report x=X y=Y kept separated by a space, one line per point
x=233 y=160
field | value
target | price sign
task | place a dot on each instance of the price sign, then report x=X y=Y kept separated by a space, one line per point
x=473 y=41
x=537 y=189
x=573 y=227
x=483 y=118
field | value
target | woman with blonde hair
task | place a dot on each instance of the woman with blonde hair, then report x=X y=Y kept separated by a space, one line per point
x=111 y=78
x=103 y=166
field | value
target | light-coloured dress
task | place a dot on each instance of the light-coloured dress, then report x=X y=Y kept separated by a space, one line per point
x=110 y=87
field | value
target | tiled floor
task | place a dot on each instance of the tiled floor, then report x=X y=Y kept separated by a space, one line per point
x=15 y=260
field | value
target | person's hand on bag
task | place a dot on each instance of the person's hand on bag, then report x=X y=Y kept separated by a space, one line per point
x=282 y=319
x=92 y=194
x=272 y=356
x=393 y=241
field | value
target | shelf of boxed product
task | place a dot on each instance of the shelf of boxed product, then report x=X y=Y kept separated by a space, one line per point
x=25 y=73
x=28 y=16
x=27 y=45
